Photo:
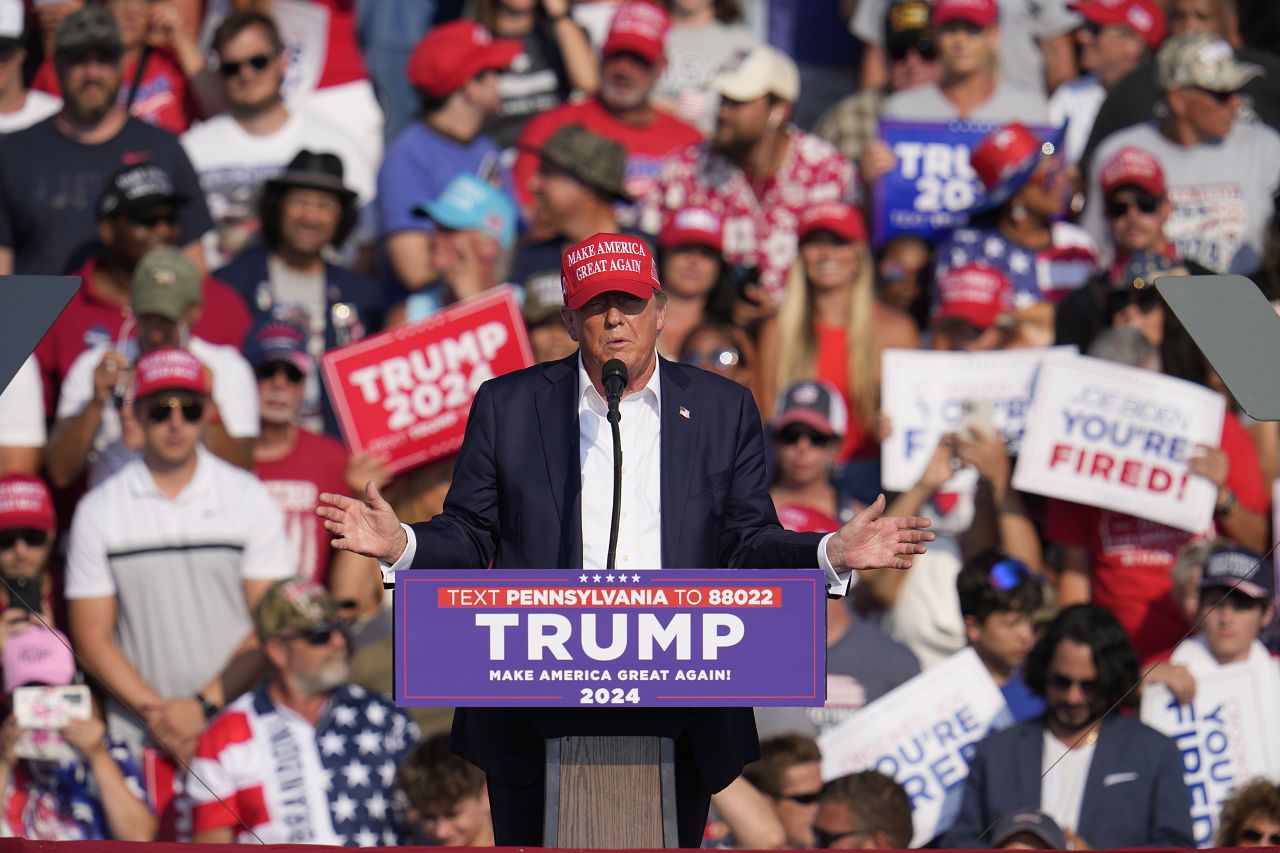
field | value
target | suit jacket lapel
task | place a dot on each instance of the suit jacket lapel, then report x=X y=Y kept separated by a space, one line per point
x=1030 y=761
x=679 y=437
x=557 y=407
x=1103 y=750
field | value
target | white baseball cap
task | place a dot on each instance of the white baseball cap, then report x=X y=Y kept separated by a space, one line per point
x=762 y=70
x=12 y=20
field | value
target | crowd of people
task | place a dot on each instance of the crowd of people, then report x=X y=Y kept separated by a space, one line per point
x=244 y=185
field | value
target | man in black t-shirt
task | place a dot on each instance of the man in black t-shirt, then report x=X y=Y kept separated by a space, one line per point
x=52 y=173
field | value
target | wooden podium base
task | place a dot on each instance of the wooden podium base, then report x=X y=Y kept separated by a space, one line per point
x=615 y=792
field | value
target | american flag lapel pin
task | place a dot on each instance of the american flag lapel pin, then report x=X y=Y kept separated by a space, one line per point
x=684 y=413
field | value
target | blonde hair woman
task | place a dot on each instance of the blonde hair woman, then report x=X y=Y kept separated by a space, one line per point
x=831 y=326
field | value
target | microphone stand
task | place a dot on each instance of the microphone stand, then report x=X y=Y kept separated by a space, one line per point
x=614 y=376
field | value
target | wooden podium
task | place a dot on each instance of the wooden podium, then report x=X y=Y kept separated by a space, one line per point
x=610 y=792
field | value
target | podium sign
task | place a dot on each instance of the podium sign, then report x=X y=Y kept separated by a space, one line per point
x=668 y=638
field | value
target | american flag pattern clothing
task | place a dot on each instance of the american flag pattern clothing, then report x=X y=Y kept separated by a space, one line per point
x=759 y=229
x=1037 y=275
x=293 y=783
x=62 y=802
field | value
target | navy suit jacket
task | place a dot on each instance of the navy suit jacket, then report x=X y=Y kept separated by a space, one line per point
x=515 y=502
x=1134 y=796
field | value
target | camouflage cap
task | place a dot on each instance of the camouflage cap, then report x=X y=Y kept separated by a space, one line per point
x=1203 y=60
x=589 y=158
x=294 y=604
x=90 y=28
x=165 y=282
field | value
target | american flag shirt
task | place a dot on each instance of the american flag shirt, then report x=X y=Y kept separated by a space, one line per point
x=1037 y=275
x=292 y=783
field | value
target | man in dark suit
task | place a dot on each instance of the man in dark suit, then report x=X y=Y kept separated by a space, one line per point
x=532 y=488
x=1107 y=779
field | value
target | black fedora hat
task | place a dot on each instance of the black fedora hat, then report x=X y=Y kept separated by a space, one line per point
x=311 y=170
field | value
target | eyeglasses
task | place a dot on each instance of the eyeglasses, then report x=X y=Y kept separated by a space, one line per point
x=153 y=218
x=720 y=359
x=320 y=635
x=1253 y=836
x=1220 y=97
x=272 y=369
x=1011 y=574
x=792 y=433
x=1117 y=207
x=1060 y=682
x=30 y=536
x=924 y=47
x=822 y=838
x=257 y=63
x=159 y=410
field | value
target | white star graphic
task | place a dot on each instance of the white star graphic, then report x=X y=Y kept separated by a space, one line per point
x=357 y=774
x=958 y=257
x=993 y=247
x=622 y=578
x=595 y=578
x=344 y=808
x=1019 y=262
x=331 y=744
x=609 y=578
x=582 y=578
x=356 y=691
x=377 y=806
x=365 y=838
x=635 y=579
x=368 y=742
x=389 y=838
x=344 y=715
x=376 y=713
x=387 y=772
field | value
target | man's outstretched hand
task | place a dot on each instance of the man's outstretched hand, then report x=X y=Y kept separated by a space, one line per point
x=368 y=527
x=871 y=541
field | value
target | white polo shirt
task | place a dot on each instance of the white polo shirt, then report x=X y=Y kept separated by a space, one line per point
x=177 y=568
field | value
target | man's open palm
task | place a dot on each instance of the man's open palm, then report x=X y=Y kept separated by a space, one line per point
x=368 y=527
x=872 y=541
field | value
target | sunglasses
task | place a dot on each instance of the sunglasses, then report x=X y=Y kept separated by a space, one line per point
x=1118 y=207
x=961 y=27
x=792 y=433
x=824 y=839
x=151 y=220
x=807 y=799
x=1145 y=298
x=159 y=410
x=1253 y=836
x=1220 y=97
x=1063 y=684
x=320 y=635
x=924 y=47
x=30 y=536
x=720 y=359
x=1011 y=574
x=257 y=63
x=272 y=369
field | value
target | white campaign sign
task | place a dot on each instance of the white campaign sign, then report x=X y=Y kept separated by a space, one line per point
x=924 y=393
x=1117 y=437
x=923 y=734
x=1223 y=735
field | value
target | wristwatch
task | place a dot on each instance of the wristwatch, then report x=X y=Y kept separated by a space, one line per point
x=1227 y=504
x=209 y=709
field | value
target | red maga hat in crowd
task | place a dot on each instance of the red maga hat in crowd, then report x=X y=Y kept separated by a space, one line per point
x=1132 y=167
x=843 y=220
x=693 y=226
x=25 y=502
x=639 y=28
x=980 y=13
x=976 y=293
x=169 y=370
x=607 y=262
x=1142 y=17
x=451 y=54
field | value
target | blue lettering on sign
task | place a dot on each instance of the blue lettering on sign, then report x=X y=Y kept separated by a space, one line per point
x=1207 y=767
x=934 y=762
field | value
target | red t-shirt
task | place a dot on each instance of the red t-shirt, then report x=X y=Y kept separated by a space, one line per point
x=833 y=366
x=342 y=60
x=1132 y=558
x=317 y=464
x=89 y=320
x=164 y=99
x=646 y=146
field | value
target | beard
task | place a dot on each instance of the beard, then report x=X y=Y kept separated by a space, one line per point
x=91 y=113
x=330 y=676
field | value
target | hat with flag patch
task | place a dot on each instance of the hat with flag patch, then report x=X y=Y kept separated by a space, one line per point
x=606 y=262
x=1005 y=159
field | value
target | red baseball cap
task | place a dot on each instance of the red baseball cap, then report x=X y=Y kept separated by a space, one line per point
x=25 y=502
x=693 y=226
x=843 y=220
x=974 y=292
x=980 y=13
x=451 y=54
x=607 y=262
x=1132 y=167
x=1143 y=17
x=169 y=370
x=639 y=28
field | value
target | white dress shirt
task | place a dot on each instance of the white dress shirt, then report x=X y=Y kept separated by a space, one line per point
x=640 y=521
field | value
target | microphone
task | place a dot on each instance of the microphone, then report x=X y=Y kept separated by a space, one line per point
x=614 y=378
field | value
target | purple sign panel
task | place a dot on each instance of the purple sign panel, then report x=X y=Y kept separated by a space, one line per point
x=673 y=638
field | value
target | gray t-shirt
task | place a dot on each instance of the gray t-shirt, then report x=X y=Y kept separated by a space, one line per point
x=1221 y=193
x=1023 y=24
x=1009 y=102
x=694 y=56
x=862 y=666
